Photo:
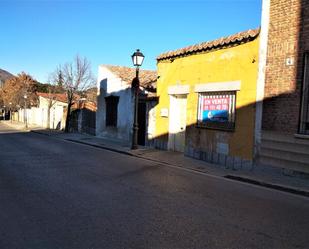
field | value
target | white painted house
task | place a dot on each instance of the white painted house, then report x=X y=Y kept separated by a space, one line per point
x=52 y=105
x=114 y=117
x=55 y=105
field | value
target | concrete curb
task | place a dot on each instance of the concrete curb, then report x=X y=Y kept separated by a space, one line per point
x=234 y=177
x=282 y=188
x=41 y=133
x=85 y=143
x=99 y=146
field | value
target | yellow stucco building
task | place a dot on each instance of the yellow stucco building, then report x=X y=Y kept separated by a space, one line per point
x=207 y=95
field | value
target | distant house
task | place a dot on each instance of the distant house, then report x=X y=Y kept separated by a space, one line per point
x=54 y=105
x=48 y=112
x=51 y=109
x=114 y=118
x=83 y=116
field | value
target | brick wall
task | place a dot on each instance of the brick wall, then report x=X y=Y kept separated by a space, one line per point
x=288 y=39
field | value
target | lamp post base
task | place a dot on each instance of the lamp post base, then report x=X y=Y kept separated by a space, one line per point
x=134 y=145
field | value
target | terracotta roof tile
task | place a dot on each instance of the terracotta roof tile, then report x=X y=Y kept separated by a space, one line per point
x=148 y=78
x=223 y=41
x=61 y=97
x=89 y=105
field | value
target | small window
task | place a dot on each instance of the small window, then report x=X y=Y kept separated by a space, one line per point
x=216 y=110
x=111 y=110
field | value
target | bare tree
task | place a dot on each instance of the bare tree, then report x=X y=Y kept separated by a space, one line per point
x=74 y=77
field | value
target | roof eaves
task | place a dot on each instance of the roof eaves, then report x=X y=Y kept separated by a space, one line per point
x=126 y=74
x=222 y=42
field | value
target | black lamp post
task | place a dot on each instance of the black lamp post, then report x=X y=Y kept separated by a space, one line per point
x=10 y=111
x=25 y=112
x=137 y=59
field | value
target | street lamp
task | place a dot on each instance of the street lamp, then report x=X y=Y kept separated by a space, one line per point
x=10 y=111
x=25 y=114
x=3 y=112
x=137 y=59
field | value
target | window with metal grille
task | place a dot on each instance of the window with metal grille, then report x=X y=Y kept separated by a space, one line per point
x=111 y=110
x=216 y=110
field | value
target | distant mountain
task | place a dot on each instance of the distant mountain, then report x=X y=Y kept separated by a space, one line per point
x=4 y=75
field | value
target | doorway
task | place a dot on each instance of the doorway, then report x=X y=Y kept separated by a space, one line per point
x=177 y=122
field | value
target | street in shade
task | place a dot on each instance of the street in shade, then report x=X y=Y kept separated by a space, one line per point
x=59 y=194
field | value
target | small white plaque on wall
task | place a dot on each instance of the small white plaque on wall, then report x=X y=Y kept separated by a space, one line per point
x=289 y=61
x=164 y=112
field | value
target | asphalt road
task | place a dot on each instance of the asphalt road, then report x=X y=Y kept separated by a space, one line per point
x=58 y=194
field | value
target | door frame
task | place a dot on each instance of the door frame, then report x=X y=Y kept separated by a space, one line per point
x=174 y=120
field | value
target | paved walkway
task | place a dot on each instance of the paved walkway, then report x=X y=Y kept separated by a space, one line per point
x=265 y=176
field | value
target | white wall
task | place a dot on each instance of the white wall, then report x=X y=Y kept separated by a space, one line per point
x=38 y=115
x=56 y=114
x=151 y=121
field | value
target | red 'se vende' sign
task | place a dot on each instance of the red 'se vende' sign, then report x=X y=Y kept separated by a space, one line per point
x=217 y=103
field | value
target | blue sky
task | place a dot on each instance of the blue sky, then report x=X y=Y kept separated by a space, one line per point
x=36 y=36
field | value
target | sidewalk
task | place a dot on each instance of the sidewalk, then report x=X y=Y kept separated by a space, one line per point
x=264 y=176
x=19 y=125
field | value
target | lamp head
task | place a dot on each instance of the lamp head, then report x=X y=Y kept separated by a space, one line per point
x=137 y=58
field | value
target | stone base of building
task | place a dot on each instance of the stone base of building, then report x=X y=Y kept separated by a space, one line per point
x=229 y=162
x=158 y=144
